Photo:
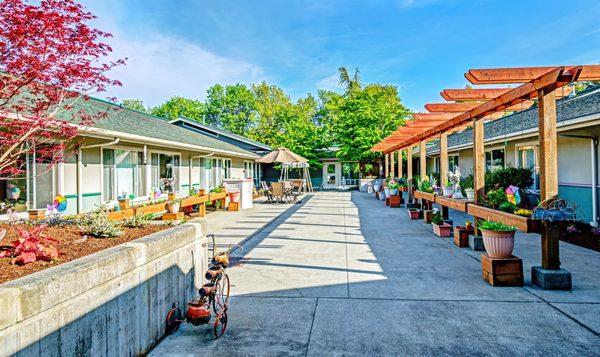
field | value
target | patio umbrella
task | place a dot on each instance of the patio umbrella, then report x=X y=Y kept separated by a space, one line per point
x=288 y=159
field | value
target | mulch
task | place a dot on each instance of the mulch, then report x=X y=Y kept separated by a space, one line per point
x=72 y=245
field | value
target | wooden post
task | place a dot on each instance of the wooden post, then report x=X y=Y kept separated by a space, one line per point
x=443 y=158
x=478 y=163
x=548 y=175
x=423 y=162
x=385 y=171
x=409 y=173
x=399 y=163
x=392 y=165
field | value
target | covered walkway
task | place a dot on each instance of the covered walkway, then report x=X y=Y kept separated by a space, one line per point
x=341 y=274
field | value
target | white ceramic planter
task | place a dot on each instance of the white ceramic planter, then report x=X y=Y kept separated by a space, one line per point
x=174 y=207
x=393 y=191
x=470 y=193
x=376 y=188
x=498 y=244
x=448 y=192
x=387 y=192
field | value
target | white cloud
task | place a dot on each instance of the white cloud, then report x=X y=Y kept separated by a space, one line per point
x=159 y=67
x=330 y=83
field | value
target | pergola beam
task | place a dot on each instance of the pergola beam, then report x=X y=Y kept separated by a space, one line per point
x=525 y=74
x=484 y=94
x=466 y=106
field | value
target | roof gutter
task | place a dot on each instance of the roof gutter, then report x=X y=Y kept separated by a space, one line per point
x=114 y=142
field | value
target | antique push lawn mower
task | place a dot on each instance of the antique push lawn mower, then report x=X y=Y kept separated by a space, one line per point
x=213 y=295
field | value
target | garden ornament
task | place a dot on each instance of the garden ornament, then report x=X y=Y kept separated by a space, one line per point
x=512 y=195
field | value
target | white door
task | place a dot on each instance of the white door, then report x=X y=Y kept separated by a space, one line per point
x=332 y=172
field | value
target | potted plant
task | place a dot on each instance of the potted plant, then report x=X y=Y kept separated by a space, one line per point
x=498 y=238
x=440 y=228
x=467 y=185
x=393 y=187
x=173 y=206
x=234 y=196
x=461 y=234
x=414 y=213
x=448 y=190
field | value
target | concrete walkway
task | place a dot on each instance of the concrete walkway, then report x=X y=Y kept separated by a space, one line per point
x=341 y=274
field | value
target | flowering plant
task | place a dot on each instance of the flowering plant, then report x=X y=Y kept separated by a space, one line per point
x=31 y=246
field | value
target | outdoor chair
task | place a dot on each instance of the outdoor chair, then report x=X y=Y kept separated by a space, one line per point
x=278 y=191
x=267 y=192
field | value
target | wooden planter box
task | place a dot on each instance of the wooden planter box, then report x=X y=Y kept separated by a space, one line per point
x=122 y=214
x=461 y=236
x=442 y=230
x=194 y=200
x=150 y=209
x=414 y=213
x=425 y=196
x=36 y=214
x=523 y=224
x=125 y=204
x=427 y=215
x=454 y=203
x=395 y=200
x=502 y=271
x=217 y=196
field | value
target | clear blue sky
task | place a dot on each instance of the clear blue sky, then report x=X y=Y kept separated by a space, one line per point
x=421 y=46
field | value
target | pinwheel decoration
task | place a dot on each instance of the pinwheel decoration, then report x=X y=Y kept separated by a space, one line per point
x=512 y=195
x=59 y=204
x=156 y=193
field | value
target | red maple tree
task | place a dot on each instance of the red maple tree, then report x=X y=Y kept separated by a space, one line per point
x=50 y=58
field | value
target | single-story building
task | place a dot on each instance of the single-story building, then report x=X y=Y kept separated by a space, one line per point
x=128 y=152
x=512 y=141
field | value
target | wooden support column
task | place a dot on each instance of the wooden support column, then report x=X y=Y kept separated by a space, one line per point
x=385 y=171
x=399 y=163
x=423 y=162
x=478 y=163
x=548 y=175
x=392 y=165
x=443 y=157
x=409 y=173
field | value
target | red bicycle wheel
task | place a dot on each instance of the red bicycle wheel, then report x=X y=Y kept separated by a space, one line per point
x=220 y=325
x=173 y=320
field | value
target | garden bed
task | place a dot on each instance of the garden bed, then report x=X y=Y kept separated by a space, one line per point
x=583 y=235
x=71 y=245
x=524 y=224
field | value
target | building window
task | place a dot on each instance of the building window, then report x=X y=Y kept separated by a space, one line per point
x=494 y=159
x=123 y=172
x=165 y=166
x=527 y=159
x=226 y=168
x=452 y=163
x=217 y=172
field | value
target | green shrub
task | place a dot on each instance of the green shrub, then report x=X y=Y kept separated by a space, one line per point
x=138 y=221
x=495 y=198
x=467 y=181
x=502 y=178
x=97 y=224
x=437 y=219
x=507 y=207
x=494 y=226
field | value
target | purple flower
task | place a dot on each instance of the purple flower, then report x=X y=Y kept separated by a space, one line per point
x=572 y=229
x=596 y=231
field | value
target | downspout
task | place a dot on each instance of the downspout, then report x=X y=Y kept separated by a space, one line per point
x=594 y=148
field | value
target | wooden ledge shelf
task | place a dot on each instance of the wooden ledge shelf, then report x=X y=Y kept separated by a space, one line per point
x=217 y=196
x=454 y=203
x=524 y=224
x=195 y=200
x=425 y=196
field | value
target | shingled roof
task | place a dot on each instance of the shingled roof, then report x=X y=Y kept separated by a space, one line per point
x=128 y=121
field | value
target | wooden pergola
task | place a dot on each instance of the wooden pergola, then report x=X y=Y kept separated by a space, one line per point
x=474 y=106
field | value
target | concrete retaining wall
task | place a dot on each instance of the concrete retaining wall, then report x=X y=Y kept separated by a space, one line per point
x=111 y=303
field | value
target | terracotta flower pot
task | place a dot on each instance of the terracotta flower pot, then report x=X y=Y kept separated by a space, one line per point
x=498 y=244
x=414 y=213
x=442 y=230
x=234 y=197
x=173 y=207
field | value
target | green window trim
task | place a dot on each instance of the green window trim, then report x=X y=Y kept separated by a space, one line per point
x=72 y=196
x=91 y=194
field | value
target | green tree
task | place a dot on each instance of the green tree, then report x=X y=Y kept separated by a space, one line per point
x=135 y=104
x=273 y=108
x=176 y=107
x=362 y=117
x=230 y=108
